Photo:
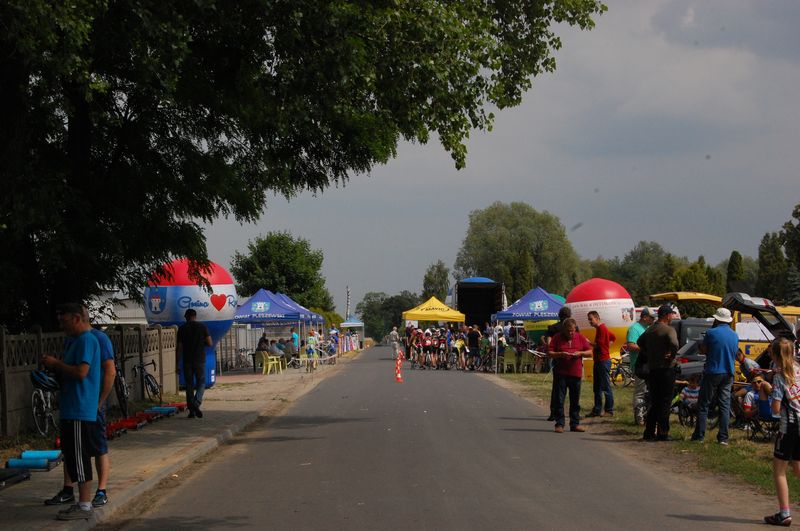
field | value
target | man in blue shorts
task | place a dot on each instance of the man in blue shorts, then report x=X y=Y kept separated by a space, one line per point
x=101 y=461
x=79 y=373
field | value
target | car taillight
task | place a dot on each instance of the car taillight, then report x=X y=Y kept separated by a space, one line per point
x=683 y=360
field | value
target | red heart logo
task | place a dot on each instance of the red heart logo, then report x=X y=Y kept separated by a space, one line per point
x=218 y=301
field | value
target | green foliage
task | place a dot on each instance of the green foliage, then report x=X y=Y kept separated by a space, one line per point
x=127 y=123
x=772 y=268
x=436 y=282
x=380 y=312
x=790 y=237
x=699 y=277
x=515 y=244
x=793 y=286
x=280 y=263
x=734 y=276
x=332 y=319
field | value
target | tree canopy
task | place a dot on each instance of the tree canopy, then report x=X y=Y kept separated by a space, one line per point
x=515 y=244
x=281 y=263
x=380 y=312
x=125 y=124
x=436 y=282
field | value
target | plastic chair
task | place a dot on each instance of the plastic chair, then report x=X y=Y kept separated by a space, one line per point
x=510 y=359
x=264 y=361
x=273 y=364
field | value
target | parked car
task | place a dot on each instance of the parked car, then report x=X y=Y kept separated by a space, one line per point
x=761 y=309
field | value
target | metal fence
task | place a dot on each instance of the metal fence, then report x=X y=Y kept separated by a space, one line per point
x=20 y=354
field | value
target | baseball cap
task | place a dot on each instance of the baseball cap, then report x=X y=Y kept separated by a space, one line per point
x=665 y=309
x=646 y=312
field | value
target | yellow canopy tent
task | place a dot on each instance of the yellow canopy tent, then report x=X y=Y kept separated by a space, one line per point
x=433 y=310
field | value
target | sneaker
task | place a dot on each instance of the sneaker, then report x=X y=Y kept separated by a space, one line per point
x=198 y=412
x=61 y=498
x=593 y=414
x=580 y=429
x=559 y=429
x=777 y=519
x=723 y=443
x=74 y=513
x=607 y=414
x=100 y=499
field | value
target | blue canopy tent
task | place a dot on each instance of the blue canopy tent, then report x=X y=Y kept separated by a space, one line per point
x=536 y=305
x=310 y=316
x=262 y=307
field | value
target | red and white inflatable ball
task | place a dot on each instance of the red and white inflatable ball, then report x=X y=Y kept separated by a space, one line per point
x=607 y=298
x=166 y=300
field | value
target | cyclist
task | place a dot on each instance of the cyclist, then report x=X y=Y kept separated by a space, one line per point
x=427 y=348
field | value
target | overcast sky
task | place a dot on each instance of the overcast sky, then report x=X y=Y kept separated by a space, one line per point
x=672 y=121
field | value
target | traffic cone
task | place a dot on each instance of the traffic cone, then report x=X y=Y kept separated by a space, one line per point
x=398 y=376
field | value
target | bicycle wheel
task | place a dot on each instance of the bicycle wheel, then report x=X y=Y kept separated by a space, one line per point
x=152 y=388
x=121 y=390
x=40 y=413
x=627 y=377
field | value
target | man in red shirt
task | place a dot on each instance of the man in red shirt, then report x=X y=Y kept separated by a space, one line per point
x=569 y=348
x=601 y=375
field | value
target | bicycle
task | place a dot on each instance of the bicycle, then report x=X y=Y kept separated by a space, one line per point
x=621 y=370
x=152 y=388
x=121 y=389
x=43 y=402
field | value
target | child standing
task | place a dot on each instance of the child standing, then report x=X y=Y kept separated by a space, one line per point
x=786 y=402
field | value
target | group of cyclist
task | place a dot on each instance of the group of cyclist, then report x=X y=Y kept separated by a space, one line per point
x=462 y=348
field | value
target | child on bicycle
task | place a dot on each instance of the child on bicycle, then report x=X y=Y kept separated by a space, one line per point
x=786 y=402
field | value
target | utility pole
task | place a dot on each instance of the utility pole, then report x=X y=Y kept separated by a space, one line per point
x=347 y=311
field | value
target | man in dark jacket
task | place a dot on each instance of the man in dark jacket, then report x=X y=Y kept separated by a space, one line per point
x=193 y=338
x=659 y=345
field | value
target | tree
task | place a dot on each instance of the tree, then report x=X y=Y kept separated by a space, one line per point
x=281 y=263
x=436 y=282
x=639 y=268
x=772 y=268
x=790 y=237
x=793 y=286
x=515 y=244
x=734 y=277
x=380 y=312
x=127 y=123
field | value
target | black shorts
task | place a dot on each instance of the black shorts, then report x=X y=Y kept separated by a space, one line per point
x=77 y=439
x=787 y=445
x=99 y=441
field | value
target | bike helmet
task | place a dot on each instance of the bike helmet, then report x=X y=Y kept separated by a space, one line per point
x=43 y=381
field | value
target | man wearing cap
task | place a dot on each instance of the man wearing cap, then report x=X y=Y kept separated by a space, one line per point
x=79 y=402
x=646 y=318
x=193 y=338
x=659 y=344
x=719 y=346
x=394 y=338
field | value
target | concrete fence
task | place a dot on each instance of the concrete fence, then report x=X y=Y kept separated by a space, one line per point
x=20 y=354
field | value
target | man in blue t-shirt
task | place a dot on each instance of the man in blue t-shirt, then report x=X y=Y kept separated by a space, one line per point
x=79 y=400
x=108 y=372
x=719 y=346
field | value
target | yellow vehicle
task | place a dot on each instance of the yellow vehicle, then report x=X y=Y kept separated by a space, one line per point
x=753 y=336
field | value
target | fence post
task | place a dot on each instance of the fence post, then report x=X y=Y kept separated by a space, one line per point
x=140 y=331
x=3 y=384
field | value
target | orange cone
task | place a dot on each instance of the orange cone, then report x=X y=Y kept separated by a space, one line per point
x=398 y=376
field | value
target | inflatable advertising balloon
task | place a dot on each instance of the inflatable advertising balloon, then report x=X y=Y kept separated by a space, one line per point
x=610 y=300
x=166 y=300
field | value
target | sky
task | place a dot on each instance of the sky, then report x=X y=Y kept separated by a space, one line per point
x=672 y=121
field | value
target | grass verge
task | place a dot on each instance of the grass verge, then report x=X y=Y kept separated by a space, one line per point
x=748 y=461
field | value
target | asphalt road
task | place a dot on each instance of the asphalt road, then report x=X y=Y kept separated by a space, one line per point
x=444 y=450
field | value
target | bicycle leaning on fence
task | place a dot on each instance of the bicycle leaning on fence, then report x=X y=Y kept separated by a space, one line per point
x=43 y=402
x=152 y=388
